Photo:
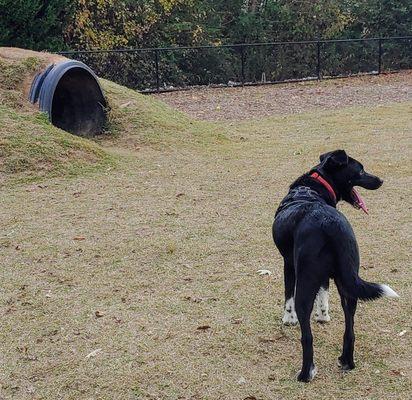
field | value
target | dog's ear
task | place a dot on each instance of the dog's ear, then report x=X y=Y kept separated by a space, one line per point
x=334 y=159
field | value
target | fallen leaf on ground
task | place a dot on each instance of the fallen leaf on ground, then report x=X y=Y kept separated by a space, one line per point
x=264 y=272
x=94 y=353
x=203 y=327
x=271 y=340
x=193 y=299
x=366 y=266
x=396 y=372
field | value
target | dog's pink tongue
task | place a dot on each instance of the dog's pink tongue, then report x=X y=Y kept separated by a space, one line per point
x=359 y=201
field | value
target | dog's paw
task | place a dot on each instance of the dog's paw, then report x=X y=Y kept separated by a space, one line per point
x=322 y=318
x=301 y=377
x=290 y=318
x=345 y=365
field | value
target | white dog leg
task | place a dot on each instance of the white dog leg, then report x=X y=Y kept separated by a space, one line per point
x=290 y=317
x=322 y=306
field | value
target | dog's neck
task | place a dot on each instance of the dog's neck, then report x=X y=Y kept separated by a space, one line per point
x=322 y=183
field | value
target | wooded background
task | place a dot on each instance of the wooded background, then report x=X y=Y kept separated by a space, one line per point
x=104 y=25
x=57 y=25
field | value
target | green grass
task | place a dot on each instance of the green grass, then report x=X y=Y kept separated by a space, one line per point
x=134 y=260
x=138 y=119
x=31 y=149
x=13 y=73
x=12 y=77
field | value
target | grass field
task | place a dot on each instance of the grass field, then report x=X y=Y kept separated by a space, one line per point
x=137 y=279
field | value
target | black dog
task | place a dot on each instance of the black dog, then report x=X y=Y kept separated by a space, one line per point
x=318 y=243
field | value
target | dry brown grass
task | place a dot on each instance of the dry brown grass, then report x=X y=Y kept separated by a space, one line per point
x=152 y=267
x=222 y=104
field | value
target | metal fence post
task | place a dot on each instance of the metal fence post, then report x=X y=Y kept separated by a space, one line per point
x=380 y=55
x=318 y=66
x=157 y=70
x=242 y=58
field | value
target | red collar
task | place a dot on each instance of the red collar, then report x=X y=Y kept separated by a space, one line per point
x=317 y=177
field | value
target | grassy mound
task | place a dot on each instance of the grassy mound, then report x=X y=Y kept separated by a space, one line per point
x=14 y=77
x=140 y=119
x=30 y=147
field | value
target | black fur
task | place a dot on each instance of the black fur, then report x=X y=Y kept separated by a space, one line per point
x=318 y=244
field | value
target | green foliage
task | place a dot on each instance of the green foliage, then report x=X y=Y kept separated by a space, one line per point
x=113 y=24
x=108 y=24
x=33 y=24
x=375 y=18
x=100 y=24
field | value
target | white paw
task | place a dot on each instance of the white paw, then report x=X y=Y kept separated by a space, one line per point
x=322 y=317
x=312 y=373
x=290 y=318
x=321 y=306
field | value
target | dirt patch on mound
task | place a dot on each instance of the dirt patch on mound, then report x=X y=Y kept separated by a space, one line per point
x=16 y=54
x=290 y=98
x=11 y=56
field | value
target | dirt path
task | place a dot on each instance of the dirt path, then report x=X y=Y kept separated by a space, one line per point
x=262 y=101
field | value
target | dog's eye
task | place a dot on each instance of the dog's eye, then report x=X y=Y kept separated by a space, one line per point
x=361 y=172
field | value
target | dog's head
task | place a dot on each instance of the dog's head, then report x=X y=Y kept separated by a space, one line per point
x=345 y=172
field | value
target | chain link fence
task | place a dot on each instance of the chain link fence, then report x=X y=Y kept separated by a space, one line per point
x=178 y=68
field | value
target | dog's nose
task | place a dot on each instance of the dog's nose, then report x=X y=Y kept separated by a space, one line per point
x=380 y=182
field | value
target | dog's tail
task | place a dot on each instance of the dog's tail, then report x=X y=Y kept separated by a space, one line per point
x=350 y=282
x=356 y=287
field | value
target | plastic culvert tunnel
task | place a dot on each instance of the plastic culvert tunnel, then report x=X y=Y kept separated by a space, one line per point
x=70 y=94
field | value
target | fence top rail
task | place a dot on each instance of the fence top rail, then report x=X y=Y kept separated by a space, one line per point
x=233 y=46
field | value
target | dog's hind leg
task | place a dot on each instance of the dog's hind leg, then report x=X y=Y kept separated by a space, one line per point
x=322 y=303
x=289 y=316
x=349 y=308
x=306 y=289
